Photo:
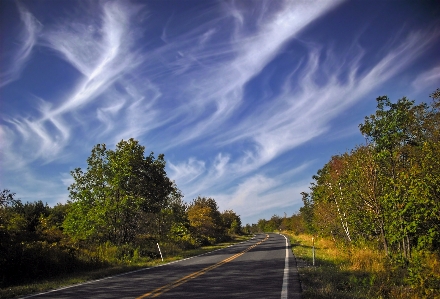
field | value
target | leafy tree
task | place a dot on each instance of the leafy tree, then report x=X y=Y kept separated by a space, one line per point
x=386 y=193
x=400 y=132
x=231 y=222
x=251 y=228
x=363 y=186
x=296 y=223
x=113 y=198
x=262 y=226
x=33 y=211
x=329 y=197
x=271 y=225
x=205 y=220
x=31 y=245
x=11 y=222
x=7 y=198
x=307 y=212
x=174 y=220
x=387 y=190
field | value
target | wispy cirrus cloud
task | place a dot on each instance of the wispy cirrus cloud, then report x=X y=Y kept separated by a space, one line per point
x=301 y=112
x=26 y=40
x=429 y=78
x=103 y=54
x=188 y=171
x=260 y=193
x=215 y=88
x=304 y=109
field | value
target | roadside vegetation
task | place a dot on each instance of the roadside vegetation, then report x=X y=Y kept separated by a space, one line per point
x=70 y=278
x=121 y=207
x=374 y=211
x=343 y=271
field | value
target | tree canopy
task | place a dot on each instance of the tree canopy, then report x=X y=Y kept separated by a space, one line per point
x=111 y=200
x=388 y=189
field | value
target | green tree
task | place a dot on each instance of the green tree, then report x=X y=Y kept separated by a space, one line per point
x=113 y=198
x=231 y=222
x=363 y=186
x=307 y=213
x=271 y=225
x=403 y=134
x=174 y=220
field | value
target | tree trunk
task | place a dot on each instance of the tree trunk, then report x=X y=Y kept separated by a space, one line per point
x=384 y=239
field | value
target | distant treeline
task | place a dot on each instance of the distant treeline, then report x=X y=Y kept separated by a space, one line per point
x=120 y=207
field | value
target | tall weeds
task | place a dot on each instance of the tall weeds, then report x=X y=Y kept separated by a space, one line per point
x=347 y=271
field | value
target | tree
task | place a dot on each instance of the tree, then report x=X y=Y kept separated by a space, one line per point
x=231 y=222
x=174 y=219
x=330 y=200
x=112 y=199
x=7 y=198
x=307 y=212
x=364 y=188
x=205 y=220
x=403 y=135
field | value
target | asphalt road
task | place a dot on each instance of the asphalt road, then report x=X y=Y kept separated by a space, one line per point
x=262 y=267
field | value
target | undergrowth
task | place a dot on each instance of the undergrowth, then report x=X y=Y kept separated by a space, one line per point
x=347 y=271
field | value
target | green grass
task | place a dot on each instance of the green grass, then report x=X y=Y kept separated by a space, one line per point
x=84 y=276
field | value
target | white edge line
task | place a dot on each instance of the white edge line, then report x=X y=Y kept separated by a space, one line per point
x=286 y=272
x=127 y=273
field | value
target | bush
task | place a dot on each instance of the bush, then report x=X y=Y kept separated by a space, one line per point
x=36 y=260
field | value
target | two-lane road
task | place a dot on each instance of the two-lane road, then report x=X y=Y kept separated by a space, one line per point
x=262 y=267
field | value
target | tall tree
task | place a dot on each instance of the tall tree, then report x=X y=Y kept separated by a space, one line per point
x=396 y=131
x=111 y=199
x=363 y=185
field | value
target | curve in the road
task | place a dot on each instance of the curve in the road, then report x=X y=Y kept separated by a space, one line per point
x=262 y=267
x=182 y=280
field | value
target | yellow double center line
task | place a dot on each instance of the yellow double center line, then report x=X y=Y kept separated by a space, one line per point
x=182 y=280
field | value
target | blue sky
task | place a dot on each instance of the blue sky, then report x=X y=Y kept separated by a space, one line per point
x=246 y=99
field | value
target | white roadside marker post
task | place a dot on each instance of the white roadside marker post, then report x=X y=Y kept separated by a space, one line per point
x=160 y=251
x=313 y=250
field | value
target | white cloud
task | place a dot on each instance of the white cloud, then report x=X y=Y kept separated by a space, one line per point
x=251 y=190
x=102 y=60
x=295 y=117
x=430 y=78
x=260 y=193
x=298 y=115
x=66 y=179
x=26 y=39
x=216 y=88
x=104 y=55
x=187 y=172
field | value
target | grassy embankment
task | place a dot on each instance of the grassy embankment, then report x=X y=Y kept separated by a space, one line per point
x=349 y=272
x=110 y=270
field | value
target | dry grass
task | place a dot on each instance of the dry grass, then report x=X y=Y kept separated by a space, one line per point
x=366 y=260
x=343 y=271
